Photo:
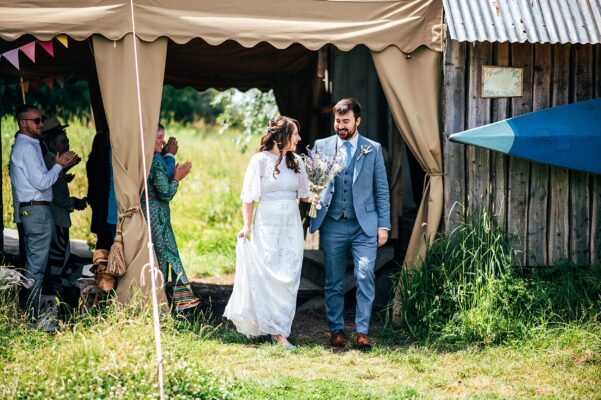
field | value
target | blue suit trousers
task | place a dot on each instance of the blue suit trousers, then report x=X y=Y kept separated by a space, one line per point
x=337 y=237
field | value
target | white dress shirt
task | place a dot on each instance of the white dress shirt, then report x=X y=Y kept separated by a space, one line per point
x=30 y=178
x=353 y=143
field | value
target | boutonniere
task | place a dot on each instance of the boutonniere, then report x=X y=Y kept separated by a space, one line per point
x=365 y=149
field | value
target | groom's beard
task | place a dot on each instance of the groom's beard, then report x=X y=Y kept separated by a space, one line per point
x=346 y=134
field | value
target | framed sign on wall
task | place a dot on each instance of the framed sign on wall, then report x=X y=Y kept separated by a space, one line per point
x=502 y=81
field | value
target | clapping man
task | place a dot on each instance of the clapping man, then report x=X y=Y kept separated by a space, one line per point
x=32 y=183
x=63 y=204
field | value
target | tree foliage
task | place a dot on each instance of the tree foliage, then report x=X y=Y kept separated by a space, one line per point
x=70 y=101
x=249 y=111
x=188 y=105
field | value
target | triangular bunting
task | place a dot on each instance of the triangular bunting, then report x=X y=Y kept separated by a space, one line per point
x=29 y=50
x=47 y=46
x=25 y=86
x=60 y=79
x=49 y=81
x=13 y=57
x=35 y=84
x=64 y=40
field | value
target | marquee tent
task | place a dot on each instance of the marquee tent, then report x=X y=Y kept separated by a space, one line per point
x=193 y=43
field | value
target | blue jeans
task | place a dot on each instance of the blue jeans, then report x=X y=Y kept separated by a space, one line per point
x=38 y=226
x=336 y=238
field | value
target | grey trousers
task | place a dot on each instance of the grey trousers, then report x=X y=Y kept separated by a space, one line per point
x=37 y=227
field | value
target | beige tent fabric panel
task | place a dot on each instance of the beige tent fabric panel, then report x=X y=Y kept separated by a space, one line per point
x=117 y=78
x=406 y=24
x=411 y=85
x=76 y=18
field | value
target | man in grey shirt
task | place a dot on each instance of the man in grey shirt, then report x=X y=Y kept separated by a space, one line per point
x=32 y=184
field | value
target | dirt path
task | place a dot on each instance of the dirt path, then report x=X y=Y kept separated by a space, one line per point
x=307 y=326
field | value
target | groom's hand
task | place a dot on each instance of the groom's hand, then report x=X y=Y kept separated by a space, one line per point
x=382 y=237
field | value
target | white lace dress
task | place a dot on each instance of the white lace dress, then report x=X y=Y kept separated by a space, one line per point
x=268 y=266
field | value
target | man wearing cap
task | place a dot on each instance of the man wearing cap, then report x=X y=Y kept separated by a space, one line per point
x=63 y=204
x=32 y=184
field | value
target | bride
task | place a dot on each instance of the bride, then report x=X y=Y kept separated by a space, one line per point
x=268 y=266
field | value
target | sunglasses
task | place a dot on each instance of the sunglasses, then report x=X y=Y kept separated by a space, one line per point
x=36 y=121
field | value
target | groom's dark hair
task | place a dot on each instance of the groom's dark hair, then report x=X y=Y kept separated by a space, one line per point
x=348 y=104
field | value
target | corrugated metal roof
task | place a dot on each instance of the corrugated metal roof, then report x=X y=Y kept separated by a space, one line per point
x=535 y=21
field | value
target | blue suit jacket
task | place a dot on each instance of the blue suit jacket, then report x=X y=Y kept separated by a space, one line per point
x=371 y=198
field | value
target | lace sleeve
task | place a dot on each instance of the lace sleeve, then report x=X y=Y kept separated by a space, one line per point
x=303 y=187
x=251 y=188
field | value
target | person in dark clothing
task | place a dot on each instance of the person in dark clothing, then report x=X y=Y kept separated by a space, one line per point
x=99 y=180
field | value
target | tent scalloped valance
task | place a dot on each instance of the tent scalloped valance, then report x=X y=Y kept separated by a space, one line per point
x=405 y=24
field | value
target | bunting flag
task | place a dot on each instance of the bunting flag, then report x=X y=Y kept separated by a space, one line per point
x=63 y=39
x=60 y=80
x=29 y=50
x=47 y=46
x=35 y=84
x=49 y=81
x=25 y=86
x=13 y=57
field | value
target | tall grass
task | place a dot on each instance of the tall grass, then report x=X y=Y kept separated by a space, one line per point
x=466 y=290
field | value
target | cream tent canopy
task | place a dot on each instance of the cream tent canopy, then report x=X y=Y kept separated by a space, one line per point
x=174 y=37
x=406 y=24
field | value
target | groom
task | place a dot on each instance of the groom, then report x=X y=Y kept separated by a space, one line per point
x=355 y=215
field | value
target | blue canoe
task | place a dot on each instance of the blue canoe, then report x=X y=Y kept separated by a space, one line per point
x=566 y=136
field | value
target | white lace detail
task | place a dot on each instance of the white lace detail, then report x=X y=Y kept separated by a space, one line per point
x=261 y=184
x=268 y=267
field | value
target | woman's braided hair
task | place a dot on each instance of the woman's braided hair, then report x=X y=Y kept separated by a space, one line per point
x=279 y=133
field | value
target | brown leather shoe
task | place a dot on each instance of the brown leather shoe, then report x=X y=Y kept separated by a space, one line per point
x=338 y=339
x=362 y=341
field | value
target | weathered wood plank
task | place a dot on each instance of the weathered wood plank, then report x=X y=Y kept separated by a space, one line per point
x=340 y=75
x=559 y=223
x=1 y=201
x=596 y=219
x=539 y=173
x=453 y=106
x=596 y=179
x=579 y=182
x=357 y=70
x=498 y=161
x=478 y=160
x=519 y=170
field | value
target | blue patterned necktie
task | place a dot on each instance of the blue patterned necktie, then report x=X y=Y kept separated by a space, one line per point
x=347 y=149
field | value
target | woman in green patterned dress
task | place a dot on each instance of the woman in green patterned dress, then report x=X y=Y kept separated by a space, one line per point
x=161 y=189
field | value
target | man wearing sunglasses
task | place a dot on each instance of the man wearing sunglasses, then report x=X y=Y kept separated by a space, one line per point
x=32 y=184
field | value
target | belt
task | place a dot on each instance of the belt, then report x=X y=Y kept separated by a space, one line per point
x=33 y=203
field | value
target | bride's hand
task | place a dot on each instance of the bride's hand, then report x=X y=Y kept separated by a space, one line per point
x=244 y=232
x=315 y=199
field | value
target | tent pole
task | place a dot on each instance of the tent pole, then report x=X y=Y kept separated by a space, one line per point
x=153 y=269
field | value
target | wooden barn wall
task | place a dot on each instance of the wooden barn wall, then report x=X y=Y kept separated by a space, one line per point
x=553 y=213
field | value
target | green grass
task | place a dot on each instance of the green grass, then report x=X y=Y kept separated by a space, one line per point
x=205 y=212
x=110 y=354
x=467 y=290
x=473 y=327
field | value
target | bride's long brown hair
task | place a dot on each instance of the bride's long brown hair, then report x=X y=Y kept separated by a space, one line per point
x=279 y=133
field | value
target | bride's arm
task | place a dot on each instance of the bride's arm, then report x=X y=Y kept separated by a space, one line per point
x=247 y=216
